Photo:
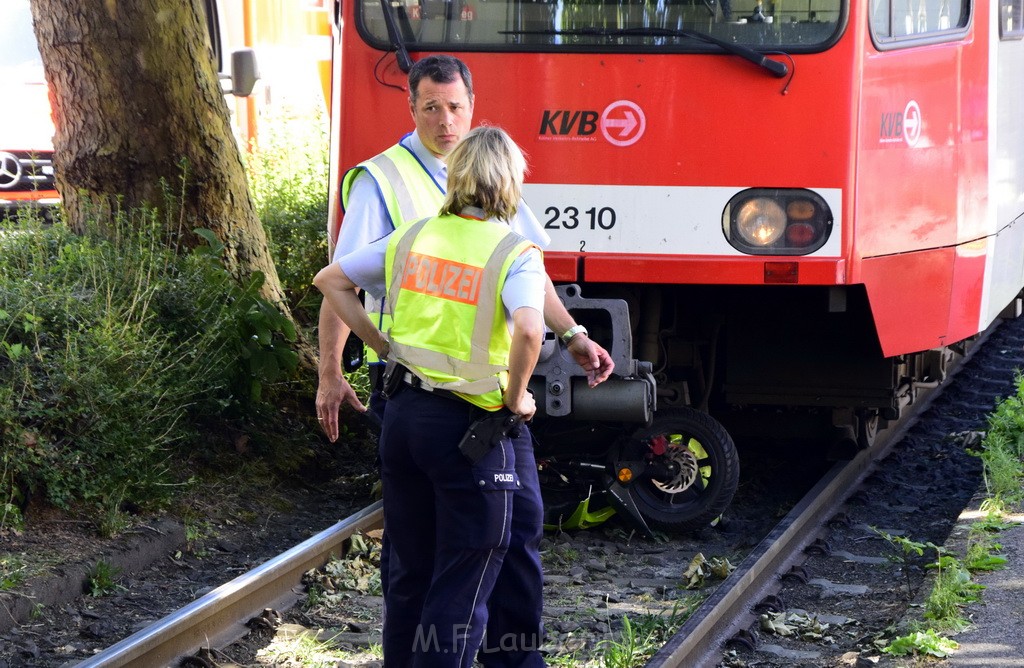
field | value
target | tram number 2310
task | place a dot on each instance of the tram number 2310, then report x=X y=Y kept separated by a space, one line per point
x=571 y=218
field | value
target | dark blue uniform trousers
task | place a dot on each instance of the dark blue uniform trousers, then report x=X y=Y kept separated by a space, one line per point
x=463 y=541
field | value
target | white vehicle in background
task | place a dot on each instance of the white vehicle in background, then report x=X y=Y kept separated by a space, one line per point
x=26 y=126
x=26 y=122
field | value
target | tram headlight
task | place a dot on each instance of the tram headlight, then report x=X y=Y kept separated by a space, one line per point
x=762 y=221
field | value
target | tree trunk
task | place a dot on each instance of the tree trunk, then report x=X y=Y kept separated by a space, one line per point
x=142 y=121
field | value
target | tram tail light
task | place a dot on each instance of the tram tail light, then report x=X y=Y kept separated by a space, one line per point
x=800 y=235
x=762 y=221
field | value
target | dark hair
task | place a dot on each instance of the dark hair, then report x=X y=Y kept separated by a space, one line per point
x=440 y=69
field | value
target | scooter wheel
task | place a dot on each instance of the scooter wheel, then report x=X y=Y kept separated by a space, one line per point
x=693 y=470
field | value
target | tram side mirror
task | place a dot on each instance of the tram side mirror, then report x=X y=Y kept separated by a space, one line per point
x=244 y=72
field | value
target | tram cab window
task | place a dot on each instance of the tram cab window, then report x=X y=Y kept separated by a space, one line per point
x=605 y=26
x=1011 y=19
x=913 y=19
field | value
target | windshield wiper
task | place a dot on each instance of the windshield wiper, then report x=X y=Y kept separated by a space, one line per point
x=401 y=52
x=761 y=60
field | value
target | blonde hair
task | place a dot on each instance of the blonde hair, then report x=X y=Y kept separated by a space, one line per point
x=486 y=170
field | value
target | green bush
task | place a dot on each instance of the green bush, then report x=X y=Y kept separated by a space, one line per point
x=114 y=349
x=1003 y=448
x=117 y=350
x=288 y=176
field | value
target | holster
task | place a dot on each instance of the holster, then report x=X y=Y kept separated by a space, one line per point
x=352 y=354
x=486 y=432
x=392 y=378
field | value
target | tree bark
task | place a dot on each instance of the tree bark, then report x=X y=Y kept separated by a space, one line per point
x=142 y=122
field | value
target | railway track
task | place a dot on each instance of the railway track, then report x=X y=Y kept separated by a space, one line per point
x=220 y=617
x=728 y=616
x=731 y=608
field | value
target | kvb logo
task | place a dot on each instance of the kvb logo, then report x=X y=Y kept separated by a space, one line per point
x=568 y=125
x=622 y=123
x=901 y=127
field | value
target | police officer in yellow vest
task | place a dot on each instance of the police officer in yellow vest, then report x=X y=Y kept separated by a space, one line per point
x=405 y=183
x=466 y=295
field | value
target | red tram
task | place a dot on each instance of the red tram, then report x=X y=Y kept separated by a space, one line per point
x=792 y=212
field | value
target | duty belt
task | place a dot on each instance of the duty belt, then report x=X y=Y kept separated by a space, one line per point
x=396 y=375
x=414 y=381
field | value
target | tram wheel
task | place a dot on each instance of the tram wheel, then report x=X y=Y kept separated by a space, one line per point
x=869 y=423
x=696 y=470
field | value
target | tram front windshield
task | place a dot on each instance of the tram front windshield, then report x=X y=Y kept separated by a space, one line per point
x=601 y=25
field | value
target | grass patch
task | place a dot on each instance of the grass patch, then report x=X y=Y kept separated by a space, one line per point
x=982 y=548
x=13 y=571
x=103 y=579
x=119 y=349
x=640 y=639
x=953 y=589
x=1002 y=450
x=304 y=649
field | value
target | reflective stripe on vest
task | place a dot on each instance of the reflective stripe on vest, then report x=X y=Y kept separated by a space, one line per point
x=445 y=277
x=409 y=193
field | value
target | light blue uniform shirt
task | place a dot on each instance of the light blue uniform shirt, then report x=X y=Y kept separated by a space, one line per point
x=366 y=217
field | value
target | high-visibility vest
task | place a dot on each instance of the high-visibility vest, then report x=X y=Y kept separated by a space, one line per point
x=444 y=278
x=409 y=193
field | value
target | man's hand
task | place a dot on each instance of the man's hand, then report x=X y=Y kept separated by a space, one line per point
x=333 y=391
x=594 y=359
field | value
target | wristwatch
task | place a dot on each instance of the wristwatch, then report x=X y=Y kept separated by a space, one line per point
x=573 y=331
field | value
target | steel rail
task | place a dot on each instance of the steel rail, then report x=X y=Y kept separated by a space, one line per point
x=699 y=642
x=219 y=618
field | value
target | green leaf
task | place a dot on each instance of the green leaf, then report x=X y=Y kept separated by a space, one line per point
x=922 y=642
x=215 y=244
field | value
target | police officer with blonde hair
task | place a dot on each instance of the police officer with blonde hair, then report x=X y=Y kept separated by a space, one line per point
x=466 y=298
x=405 y=183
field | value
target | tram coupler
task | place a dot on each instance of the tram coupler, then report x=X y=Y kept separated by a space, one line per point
x=560 y=386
